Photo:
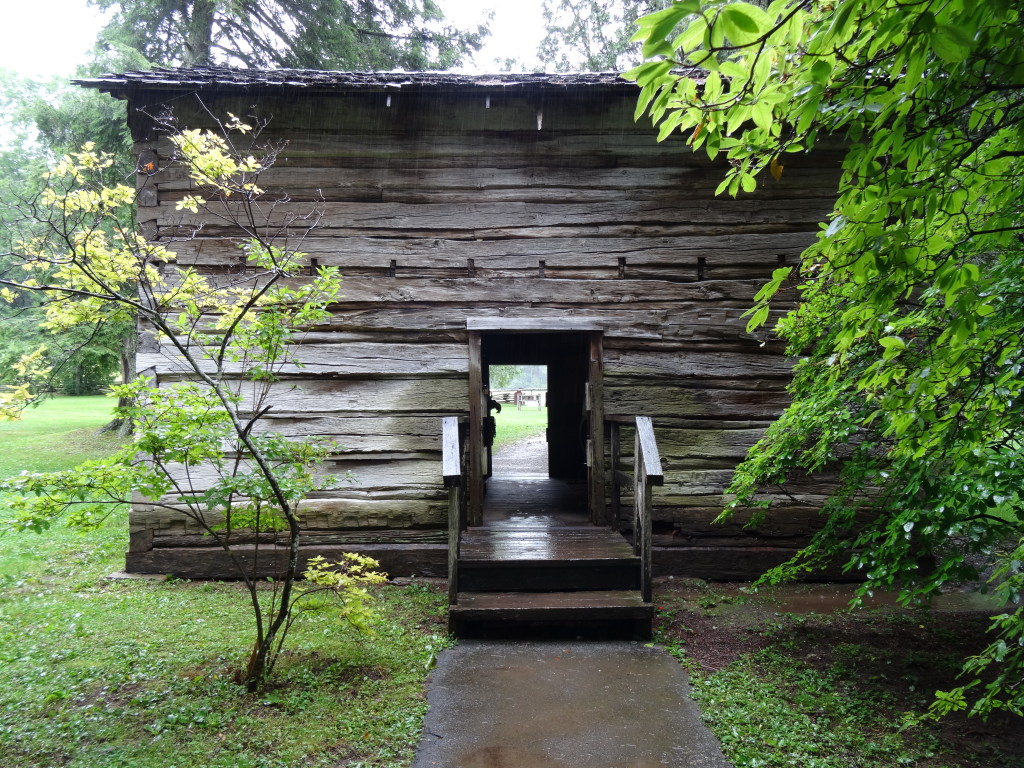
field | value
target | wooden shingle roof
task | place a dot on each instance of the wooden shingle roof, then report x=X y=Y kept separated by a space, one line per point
x=223 y=78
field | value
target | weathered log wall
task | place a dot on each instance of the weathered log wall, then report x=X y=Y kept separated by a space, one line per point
x=446 y=205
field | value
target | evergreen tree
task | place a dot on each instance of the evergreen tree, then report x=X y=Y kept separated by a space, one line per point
x=314 y=34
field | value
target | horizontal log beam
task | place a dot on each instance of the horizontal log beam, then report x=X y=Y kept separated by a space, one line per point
x=445 y=217
x=727 y=249
x=429 y=560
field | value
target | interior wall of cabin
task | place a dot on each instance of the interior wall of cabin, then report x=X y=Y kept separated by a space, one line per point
x=441 y=206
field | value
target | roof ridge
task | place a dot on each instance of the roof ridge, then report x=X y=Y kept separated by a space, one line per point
x=162 y=77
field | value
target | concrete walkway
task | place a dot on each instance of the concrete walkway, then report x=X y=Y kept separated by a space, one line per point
x=562 y=705
x=523 y=457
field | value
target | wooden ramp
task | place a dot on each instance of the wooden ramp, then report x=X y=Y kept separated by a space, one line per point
x=536 y=564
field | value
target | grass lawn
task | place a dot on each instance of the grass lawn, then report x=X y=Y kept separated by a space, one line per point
x=58 y=434
x=100 y=673
x=514 y=425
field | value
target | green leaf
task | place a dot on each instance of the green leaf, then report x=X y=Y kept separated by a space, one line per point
x=840 y=27
x=757 y=318
x=957 y=36
x=820 y=71
x=657 y=26
x=712 y=87
x=739 y=24
x=689 y=38
x=645 y=74
x=946 y=43
x=762 y=114
x=769 y=289
x=658 y=48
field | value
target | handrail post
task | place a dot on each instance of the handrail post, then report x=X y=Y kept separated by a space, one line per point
x=614 y=439
x=647 y=473
x=451 y=470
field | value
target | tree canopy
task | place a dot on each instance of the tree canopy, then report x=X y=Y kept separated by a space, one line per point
x=910 y=327
x=41 y=124
x=592 y=35
x=315 y=34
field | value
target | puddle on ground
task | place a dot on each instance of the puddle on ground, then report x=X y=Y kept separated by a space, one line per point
x=828 y=599
x=507 y=757
x=818 y=598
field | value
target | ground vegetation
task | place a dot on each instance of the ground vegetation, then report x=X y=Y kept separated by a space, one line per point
x=515 y=425
x=787 y=675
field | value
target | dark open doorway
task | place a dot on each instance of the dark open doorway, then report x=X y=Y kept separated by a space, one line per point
x=518 y=404
x=565 y=355
x=574 y=398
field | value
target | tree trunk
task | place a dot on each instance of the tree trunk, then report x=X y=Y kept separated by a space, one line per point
x=199 y=35
x=129 y=346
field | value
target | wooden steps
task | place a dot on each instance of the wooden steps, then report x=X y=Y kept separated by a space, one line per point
x=546 y=559
x=607 y=613
x=527 y=575
x=548 y=575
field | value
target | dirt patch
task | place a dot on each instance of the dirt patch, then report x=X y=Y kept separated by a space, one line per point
x=902 y=655
x=710 y=642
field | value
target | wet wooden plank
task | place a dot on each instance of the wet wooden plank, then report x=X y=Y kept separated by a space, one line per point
x=335 y=359
x=535 y=501
x=420 y=218
x=553 y=544
x=552 y=606
x=648 y=447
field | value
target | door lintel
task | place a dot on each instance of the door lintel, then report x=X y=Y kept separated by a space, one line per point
x=535 y=324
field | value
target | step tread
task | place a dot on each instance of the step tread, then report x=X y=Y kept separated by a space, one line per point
x=583 y=559
x=621 y=603
x=558 y=544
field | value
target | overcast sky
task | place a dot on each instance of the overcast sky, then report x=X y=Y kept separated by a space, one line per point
x=39 y=38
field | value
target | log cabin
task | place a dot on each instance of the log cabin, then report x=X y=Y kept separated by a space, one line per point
x=481 y=220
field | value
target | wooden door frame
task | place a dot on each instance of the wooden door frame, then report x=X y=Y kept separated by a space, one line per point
x=475 y=514
x=595 y=455
x=477 y=327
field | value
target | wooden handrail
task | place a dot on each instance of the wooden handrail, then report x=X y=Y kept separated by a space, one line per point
x=647 y=472
x=651 y=457
x=451 y=456
x=451 y=470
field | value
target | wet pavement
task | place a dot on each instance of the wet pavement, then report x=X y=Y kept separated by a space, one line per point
x=548 y=704
x=523 y=457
